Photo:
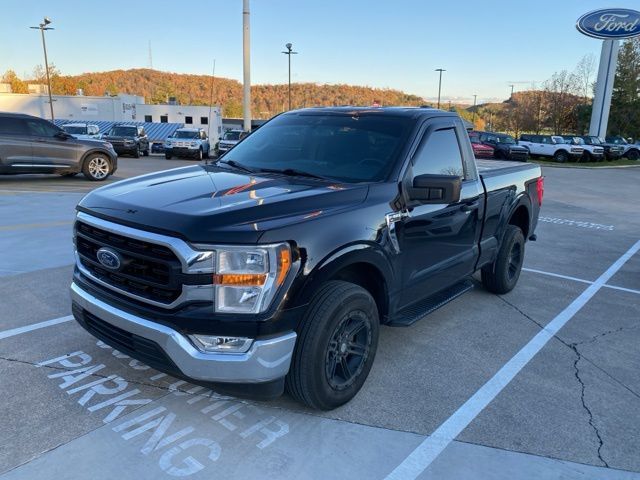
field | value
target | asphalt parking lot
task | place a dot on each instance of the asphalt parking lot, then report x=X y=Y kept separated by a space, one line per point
x=543 y=382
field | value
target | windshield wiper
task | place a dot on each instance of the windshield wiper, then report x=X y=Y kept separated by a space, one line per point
x=236 y=165
x=292 y=172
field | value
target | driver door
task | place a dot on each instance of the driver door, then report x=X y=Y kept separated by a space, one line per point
x=51 y=149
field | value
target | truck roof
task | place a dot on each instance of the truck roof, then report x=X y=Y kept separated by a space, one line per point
x=411 y=112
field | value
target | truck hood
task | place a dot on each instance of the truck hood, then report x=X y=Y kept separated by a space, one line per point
x=208 y=204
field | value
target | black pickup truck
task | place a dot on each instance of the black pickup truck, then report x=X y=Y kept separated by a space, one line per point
x=275 y=266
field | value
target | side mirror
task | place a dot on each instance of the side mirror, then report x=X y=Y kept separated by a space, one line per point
x=430 y=189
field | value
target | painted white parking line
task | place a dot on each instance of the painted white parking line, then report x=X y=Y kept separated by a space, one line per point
x=581 y=280
x=35 y=326
x=432 y=446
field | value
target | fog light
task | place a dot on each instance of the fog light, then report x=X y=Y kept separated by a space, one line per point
x=216 y=344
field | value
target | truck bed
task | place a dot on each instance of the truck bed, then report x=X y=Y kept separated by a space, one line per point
x=491 y=168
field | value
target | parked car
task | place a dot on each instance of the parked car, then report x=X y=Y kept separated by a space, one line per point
x=128 y=140
x=504 y=146
x=592 y=153
x=82 y=130
x=480 y=150
x=33 y=145
x=551 y=146
x=229 y=139
x=275 y=266
x=611 y=150
x=631 y=150
x=187 y=142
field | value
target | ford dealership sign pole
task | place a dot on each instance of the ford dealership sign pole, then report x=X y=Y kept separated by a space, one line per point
x=610 y=25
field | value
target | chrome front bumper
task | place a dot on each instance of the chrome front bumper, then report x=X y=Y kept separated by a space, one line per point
x=265 y=361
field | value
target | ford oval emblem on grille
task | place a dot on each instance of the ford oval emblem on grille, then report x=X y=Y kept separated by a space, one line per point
x=109 y=259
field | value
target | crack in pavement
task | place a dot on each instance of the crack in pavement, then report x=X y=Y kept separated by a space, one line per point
x=574 y=347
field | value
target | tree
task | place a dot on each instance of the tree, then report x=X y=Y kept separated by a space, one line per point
x=561 y=101
x=624 y=118
x=584 y=73
x=17 y=85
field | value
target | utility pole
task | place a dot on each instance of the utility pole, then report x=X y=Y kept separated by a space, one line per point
x=246 y=96
x=439 y=83
x=474 y=110
x=289 y=52
x=42 y=27
x=511 y=97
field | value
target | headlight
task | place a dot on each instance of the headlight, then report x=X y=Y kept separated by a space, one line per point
x=246 y=279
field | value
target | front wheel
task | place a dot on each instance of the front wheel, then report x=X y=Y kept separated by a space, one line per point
x=633 y=154
x=561 y=156
x=97 y=167
x=199 y=154
x=336 y=346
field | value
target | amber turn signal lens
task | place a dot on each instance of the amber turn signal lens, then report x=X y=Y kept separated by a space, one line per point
x=240 y=279
x=284 y=264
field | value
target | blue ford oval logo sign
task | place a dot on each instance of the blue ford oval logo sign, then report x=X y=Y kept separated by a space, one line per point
x=610 y=23
x=109 y=259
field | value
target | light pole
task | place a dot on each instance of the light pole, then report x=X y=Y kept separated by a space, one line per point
x=474 y=110
x=42 y=27
x=289 y=52
x=439 y=83
x=511 y=97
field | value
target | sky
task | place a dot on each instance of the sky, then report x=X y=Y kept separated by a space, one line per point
x=484 y=46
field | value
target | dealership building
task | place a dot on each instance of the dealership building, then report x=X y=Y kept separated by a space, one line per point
x=109 y=109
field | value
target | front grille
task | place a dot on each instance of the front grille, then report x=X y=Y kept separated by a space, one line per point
x=148 y=270
x=138 y=347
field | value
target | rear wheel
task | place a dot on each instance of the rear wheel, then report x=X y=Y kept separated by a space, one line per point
x=633 y=154
x=561 y=156
x=336 y=346
x=97 y=167
x=502 y=275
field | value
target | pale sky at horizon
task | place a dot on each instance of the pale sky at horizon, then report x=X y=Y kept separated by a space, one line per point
x=484 y=47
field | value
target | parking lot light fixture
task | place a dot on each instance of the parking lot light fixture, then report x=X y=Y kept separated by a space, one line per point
x=42 y=27
x=439 y=83
x=289 y=52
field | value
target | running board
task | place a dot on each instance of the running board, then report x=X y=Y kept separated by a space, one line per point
x=411 y=314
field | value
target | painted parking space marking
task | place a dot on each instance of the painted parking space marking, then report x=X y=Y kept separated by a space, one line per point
x=580 y=280
x=35 y=326
x=432 y=446
x=576 y=223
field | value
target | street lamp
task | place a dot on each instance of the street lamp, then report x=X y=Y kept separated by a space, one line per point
x=289 y=52
x=42 y=27
x=474 y=110
x=439 y=83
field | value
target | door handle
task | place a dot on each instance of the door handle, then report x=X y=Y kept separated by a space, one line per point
x=470 y=207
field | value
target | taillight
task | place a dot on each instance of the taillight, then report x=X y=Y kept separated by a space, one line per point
x=540 y=190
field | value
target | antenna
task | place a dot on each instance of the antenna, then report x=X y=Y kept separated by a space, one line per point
x=150 y=57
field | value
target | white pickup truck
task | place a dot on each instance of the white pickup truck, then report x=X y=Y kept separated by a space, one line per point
x=553 y=146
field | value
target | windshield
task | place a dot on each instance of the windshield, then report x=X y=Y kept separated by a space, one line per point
x=123 y=131
x=594 y=141
x=231 y=136
x=185 y=134
x=77 y=130
x=505 y=139
x=358 y=148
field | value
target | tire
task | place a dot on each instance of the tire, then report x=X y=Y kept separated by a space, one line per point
x=587 y=157
x=322 y=347
x=502 y=275
x=136 y=154
x=146 y=152
x=167 y=156
x=498 y=155
x=561 y=156
x=633 y=154
x=199 y=155
x=97 y=167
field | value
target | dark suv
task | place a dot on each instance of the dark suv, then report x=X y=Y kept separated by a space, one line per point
x=33 y=145
x=504 y=146
x=128 y=140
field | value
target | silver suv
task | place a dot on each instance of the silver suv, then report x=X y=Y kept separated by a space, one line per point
x=33 y=145
x=187 y=142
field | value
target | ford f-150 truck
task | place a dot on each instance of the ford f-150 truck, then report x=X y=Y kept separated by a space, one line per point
x=274 y=267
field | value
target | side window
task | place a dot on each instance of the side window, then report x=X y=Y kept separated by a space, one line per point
x=188 y=120
x=148 y=118
x=164 y=119
x=40 y=128
x=439 y=154
x=204 y=120
x=12 y=126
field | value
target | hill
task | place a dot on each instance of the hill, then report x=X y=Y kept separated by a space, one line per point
x=267 y=100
